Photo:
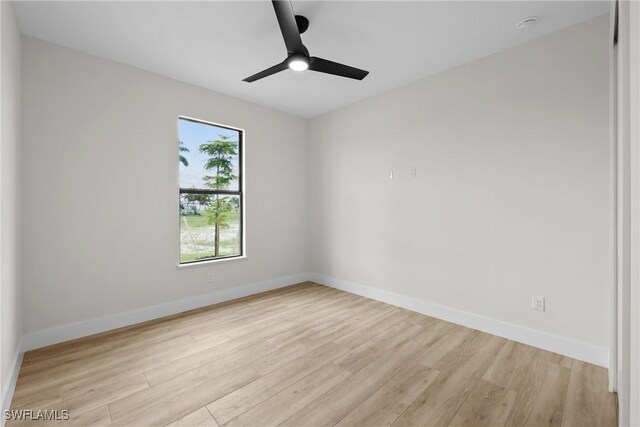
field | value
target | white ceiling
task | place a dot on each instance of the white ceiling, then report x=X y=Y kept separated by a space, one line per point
x=216 y=44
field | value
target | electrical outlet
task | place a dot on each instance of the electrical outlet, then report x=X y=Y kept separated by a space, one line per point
x=211 y=277
x=412 y=171
x=390 y=173
x=537 y=303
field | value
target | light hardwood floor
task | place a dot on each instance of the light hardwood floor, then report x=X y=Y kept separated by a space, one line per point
x=309 y=355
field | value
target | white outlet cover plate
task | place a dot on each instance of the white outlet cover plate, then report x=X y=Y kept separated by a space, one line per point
x=538 y=303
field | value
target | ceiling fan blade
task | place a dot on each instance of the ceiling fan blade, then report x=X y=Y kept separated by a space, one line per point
x=330 y=67
x=266 y=73
x=288 y=26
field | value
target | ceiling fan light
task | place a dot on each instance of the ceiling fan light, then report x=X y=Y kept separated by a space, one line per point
x=298 y=63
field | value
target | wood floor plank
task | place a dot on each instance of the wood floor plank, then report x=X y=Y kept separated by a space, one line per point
x=78 y=371
x=31 y=365
x=308 y=355
x=308 y=343
x=134 y=365
x=434 y=330
x=360 y=320
x=556 y=358
x=251 y=395
x=588 y=401
x=80 y=367
x=217 y=315
x=487 y=405
x=318 y=319
x=439 y=403
x=295 y=335
x=297 y=322
x=199 y=418
x=446 y=345
x=95 y=417
x=217 y=358
x=419 y=318
x=277 y=359
x=471 y=343
x=511 y=365
x=103 y=341
x=379 y=326
x=101 y=396
x=332 y=406
x=363 y=355
x=69 y=348
x=35 y=397
x=541 y=397
x=235 y=325
x=384 y=406
x=173 y=399
x=279 y=407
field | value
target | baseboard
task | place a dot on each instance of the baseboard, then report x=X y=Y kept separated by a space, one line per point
x=554 y=343
x=8 y=393
x=93 y=326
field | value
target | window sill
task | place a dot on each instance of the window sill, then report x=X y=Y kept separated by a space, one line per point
x=211 y=262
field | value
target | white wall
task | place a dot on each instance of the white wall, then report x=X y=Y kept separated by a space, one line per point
x=10 y=289
x=100 y=188
x=511 y=194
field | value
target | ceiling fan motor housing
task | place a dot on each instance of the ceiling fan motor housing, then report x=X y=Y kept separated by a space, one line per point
x=303 y=23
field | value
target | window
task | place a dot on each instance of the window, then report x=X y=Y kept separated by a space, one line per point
x=211 y=200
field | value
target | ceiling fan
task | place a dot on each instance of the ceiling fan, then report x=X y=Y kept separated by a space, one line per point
x=298 y=58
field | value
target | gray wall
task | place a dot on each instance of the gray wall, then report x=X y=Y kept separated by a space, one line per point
x=100 y=188
x=511 y=193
